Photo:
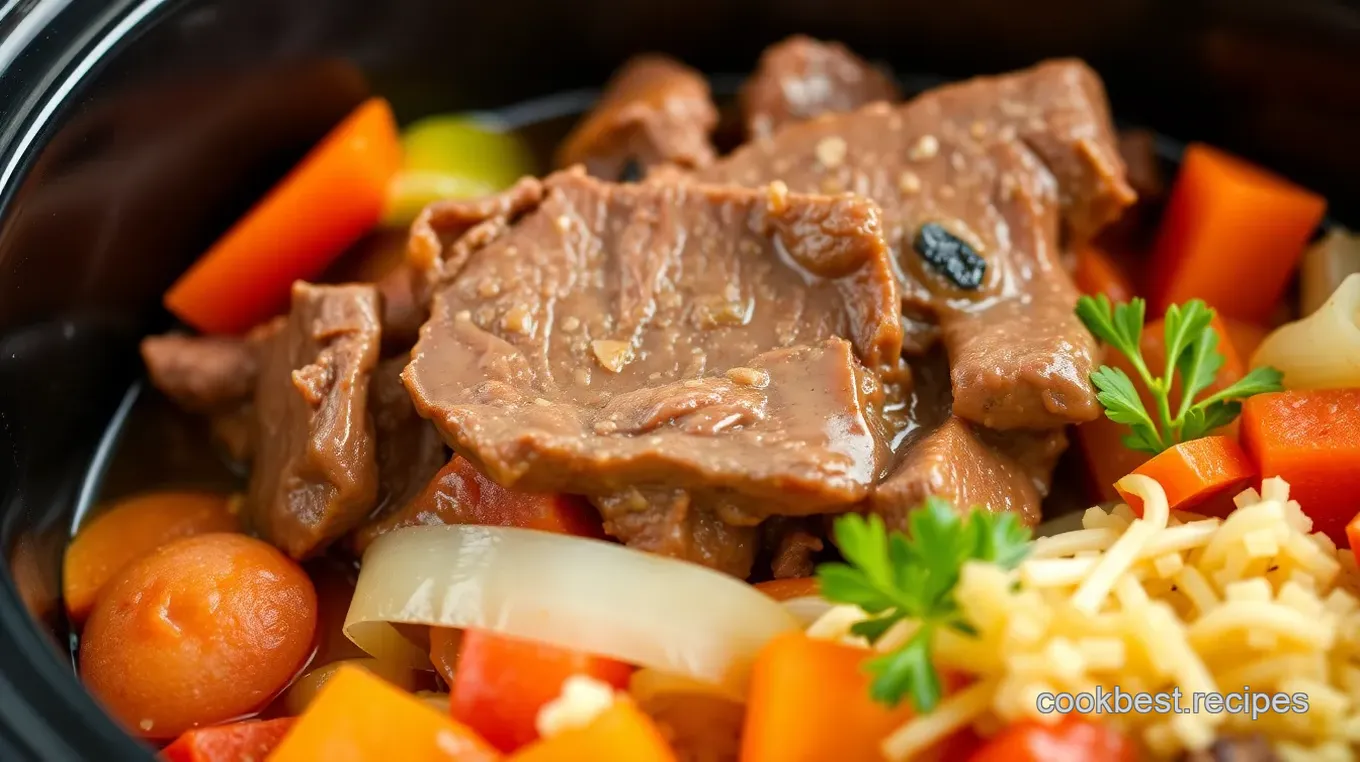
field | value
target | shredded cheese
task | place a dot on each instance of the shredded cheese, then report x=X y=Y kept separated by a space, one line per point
x=1166 y=601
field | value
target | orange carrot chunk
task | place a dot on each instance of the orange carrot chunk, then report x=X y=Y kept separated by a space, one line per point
x=786 y=589
x=1312 y=439
x=1353 y=535
x=500 y=683
x=460 y=494
x=248 y=740
x=622 y=733
x=1226 y=220
x=323 y=206
x=809 y=702
x=130 y=529
x=1193 y=472
x=359 y=717
x=1071 y=739
x=1098 y=273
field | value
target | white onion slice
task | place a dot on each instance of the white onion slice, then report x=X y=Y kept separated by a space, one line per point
x=808 y=608
x=586 y=595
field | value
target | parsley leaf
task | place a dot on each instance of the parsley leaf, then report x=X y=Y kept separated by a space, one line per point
x=1192 y=357
x=895 y=576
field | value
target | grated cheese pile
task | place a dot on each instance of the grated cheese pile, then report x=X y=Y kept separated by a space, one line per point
x=1256 y=602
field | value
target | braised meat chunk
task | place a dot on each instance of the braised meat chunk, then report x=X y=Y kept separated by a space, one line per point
x=981 y=184
x=654 y=111
x=800 y=78
x=635 y=342
x=315 y=472
x=201 y=373
x=970 y=466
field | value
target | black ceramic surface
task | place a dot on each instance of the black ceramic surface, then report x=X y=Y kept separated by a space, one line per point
x=132 y=133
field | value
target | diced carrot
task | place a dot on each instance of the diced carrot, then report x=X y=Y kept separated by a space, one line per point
x=1243 y=336
x=1311 y=439
x=1353 y=536
x=324 y=205
x=500 y=683
x=1108 y=459
x=1098 y=273
x=359 y=717
x=1194 y=472
x=248 y=740
x=1225 y=219
x=793 y=587
x=809 y=702
x=622 y=733
x=460 y=494
x=130 y=529
x=1071 y=739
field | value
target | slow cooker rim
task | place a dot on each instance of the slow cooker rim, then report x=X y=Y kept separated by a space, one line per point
x=55 y=47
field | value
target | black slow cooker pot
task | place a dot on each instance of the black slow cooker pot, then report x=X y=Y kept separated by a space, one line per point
x=133 y=131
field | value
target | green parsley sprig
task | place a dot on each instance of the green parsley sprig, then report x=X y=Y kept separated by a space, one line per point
x=895 y=576
x=1191 y=351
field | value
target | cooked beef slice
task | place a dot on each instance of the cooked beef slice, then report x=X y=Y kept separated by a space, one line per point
x=410 y=450
x=791 y=543
x=1005 y=168
x=315 y=472
x=1138 y=149
x=654 y=111
x=960 y=462
x=201 y=373
x=445 y=233
x=671 y=522
x=800 y=78
x=632 y=342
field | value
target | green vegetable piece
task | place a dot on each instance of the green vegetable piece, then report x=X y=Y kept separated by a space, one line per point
x=453 y=156
x=893 y=576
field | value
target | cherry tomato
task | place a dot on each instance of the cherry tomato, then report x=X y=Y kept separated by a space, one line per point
x=203 y=630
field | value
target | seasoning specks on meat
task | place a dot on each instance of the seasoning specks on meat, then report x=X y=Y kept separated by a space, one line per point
x=758 y=390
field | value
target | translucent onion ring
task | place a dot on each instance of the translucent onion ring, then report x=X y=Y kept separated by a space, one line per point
x=586 y=595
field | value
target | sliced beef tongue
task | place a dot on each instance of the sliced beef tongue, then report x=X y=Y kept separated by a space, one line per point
x=315 y=471
x=970 y=466
x=409 y=450
x=979 y=184
x=674 y=352
x=654 y=111
x=202 y=373
x=801 y=78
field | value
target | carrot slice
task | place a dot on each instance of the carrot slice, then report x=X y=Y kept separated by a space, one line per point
x=1071 y=739
x=1193 y=472
x=130 y=529
x=793 y=587
x=622 y=733
x=251 y=739
x=809 y=702
x=1353 y=535
x=460 y=494
x=359 y=717
x=1312 y=439
x=501 y=683
x=1226 y=217
x=1243 y=336
x=1098 y=273
x=324 y=205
